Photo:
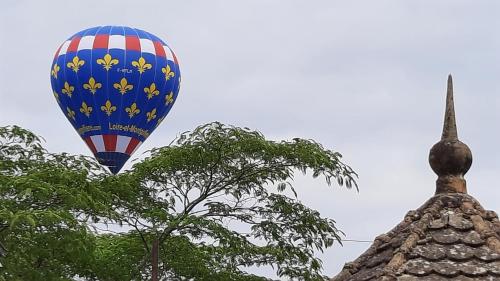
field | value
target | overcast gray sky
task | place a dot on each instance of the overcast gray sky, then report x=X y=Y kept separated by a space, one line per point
x=365 y=78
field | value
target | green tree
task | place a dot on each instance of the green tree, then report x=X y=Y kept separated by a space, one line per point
x=46 y=202
x=219 y=199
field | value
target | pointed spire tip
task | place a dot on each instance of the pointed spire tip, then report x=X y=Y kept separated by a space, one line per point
x=449 y=126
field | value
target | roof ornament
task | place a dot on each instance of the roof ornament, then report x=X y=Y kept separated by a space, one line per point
x=450 y=159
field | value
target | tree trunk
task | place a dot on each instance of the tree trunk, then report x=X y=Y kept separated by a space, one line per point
x=154 y=260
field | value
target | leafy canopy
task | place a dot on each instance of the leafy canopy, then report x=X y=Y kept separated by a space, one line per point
x=219 y=199
x=46 y=203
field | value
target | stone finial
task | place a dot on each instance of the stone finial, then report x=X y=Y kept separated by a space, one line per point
x=450 y=159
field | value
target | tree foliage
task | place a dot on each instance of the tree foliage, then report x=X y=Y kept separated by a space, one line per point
x=219 y=199
x=46 y=202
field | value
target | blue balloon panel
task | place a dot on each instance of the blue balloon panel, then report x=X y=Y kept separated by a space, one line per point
x=115 y=85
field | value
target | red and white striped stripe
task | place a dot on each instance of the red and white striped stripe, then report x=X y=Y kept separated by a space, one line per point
x=112 y=143
x=121 y=42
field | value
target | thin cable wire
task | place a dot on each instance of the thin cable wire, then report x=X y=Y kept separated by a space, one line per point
x=356 y=241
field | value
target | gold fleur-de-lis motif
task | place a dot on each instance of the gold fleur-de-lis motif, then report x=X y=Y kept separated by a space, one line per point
x=169 y=98
x=132 y=110
x=85 y=109
x=151 y=115
x=68 y=89
x=107 y=61
x=70 y=113
x=56 y=95
x=123 y=86
x=108 y=108
x=75 y=64
x=141 y=65
x=159 y=121
x=92 y=85
x=151 y=91
x=168 y=72
x=55 y=70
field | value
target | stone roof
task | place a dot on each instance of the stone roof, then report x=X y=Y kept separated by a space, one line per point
x=451 y=237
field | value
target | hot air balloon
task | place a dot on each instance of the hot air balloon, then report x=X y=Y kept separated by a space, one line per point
x=115 y=85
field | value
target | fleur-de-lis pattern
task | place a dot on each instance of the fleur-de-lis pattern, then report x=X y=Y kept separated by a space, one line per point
x=151 y=91
x=114 y=81
x=85 y=109
x=168 y=72
x=169 y=98
x=56 y=95
x=70 y=113
x=92 y=85
x=141 y=65
x=107 y=62
x=132 y=110
x=108 y=108
x=123 y=86
x=75 y=64
x=159 y=121
x=151 y=114
x=68 y=89
x=55 y=70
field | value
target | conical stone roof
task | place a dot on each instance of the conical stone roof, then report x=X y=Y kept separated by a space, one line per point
x=451 y=237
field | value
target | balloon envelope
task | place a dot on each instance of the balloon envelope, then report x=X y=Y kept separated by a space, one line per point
x=115 y=85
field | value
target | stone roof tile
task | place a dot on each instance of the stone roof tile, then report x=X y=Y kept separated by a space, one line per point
x=442 y=240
